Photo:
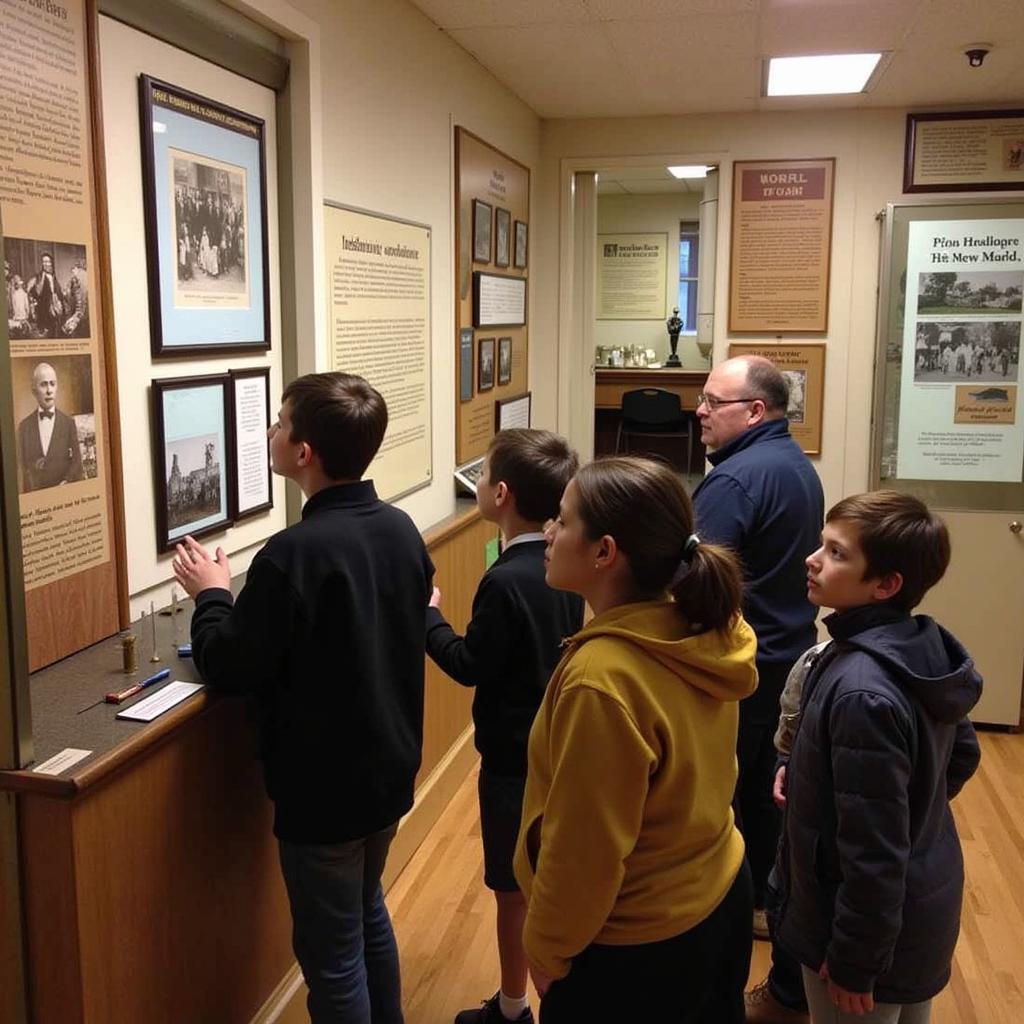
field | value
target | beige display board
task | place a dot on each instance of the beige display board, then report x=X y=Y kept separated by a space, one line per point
x=51 y=209
x=803 y=366
x=492 y=209
x=631 y=276
x=781 y=245
x=378 y=315
x=964 y=151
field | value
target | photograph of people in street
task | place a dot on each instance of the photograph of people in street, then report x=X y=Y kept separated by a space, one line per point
x=967 y=351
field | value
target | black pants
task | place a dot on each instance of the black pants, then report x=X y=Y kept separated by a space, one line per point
x=757 y=817
x=693 y=978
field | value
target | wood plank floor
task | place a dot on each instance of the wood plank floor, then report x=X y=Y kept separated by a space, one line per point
x=444 y=917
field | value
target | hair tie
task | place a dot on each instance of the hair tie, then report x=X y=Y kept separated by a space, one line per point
x=684 y=563
x=689 y=547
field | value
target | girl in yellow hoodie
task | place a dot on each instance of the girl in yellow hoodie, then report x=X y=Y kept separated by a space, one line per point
x=638 y=891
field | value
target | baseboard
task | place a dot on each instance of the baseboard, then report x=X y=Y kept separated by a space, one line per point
x=287 y=1001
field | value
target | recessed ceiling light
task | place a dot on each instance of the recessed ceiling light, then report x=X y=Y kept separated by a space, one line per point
x=829 y=74
x=690 y=171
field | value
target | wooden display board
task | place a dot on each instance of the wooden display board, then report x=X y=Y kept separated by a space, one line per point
x=69 y=478
x=492 y=214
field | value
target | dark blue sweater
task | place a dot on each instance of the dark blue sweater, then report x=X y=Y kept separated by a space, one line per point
x=870 y=857
x=764 y=500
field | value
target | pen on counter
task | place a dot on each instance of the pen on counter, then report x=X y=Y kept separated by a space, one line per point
x=121 y=695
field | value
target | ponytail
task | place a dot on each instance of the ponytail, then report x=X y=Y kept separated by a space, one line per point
x=709 y=589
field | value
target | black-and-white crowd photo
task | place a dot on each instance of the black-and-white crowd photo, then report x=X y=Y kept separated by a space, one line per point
x=209 y=227
x=47 y=289
x=967 y=350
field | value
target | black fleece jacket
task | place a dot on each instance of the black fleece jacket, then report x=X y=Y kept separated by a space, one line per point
x=511 y=645
x=327 y=633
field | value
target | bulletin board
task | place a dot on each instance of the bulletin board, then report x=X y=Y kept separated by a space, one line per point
x=492 y=232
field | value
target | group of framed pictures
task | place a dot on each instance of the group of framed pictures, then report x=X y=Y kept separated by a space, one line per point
x=205 y=199
x=506 y=245
x=486 y=362
x=212 y=452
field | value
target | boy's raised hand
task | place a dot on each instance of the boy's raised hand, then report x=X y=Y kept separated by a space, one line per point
x=195 y=570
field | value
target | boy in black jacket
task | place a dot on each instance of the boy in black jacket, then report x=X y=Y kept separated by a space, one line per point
x=870 y=865
x=511 y=645
x=327 y=634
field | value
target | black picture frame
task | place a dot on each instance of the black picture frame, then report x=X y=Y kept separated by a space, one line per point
x=485 y=364
x=250 y=444
x=499 y=300
x=521 y=245
x=502 y=237
x=509 y=412
x=504 y=360
x=204 y=184
x=191 y=445
x=481 y=231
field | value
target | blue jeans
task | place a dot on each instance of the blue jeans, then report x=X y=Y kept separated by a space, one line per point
x=341 y=931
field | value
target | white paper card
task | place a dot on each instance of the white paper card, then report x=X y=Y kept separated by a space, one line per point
x=161 y=701
x=61 y=762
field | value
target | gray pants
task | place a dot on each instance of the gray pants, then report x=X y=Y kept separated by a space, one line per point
x=824 y=1011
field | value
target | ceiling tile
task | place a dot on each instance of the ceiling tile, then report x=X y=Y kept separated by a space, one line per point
x=453 y=14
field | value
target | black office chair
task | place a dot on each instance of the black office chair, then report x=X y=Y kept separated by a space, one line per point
x=653 y=412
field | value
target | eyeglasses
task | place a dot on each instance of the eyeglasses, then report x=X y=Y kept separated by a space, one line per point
x=713 y=403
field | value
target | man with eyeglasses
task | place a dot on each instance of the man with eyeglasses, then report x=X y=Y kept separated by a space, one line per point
x=764 y=500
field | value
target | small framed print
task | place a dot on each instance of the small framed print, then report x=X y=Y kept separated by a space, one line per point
x=512 y=412
x=205 y=205
x=502 y=237
x=521 y=239
x=485 y=365
x=251 y=489
x=504 y=360
x=191 y=424
x=481 y=231
x=803 y=366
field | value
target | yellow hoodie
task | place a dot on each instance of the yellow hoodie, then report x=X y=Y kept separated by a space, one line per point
x=627 y=834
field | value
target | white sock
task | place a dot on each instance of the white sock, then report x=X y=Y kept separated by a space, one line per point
x=510 y=1007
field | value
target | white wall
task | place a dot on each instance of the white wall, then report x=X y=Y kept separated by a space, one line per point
x=868 y=146
x=649 y=214
x=385 y=89
x=125 y=53
x=393 y=88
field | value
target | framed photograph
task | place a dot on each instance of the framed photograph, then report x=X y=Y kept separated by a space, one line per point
x=481 y=231
x=499 y=300
x=485 y=365
x=502 y=237
x=504 y=360
x=251 y=489
x=964 y=151
x=205 y=199
x=192 y=434
x=803 y=366
x=522 y=237
x=512 y=412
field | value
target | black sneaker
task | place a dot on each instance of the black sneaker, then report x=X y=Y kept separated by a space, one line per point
x=490 y=1013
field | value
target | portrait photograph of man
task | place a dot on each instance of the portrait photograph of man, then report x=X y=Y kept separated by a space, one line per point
x=56 y=437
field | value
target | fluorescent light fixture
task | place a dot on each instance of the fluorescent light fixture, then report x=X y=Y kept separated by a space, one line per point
x=691 y=171
x=829 y=74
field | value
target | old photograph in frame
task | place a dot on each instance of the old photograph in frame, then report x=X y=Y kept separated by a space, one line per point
x=191 y=437
x=504 y=360
x=481 y=231
x=522 y=235
x=964 y=151
x=205 y=206
x=502 y=237
x=485 y=365
x=252 y=486
x=803 y=366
